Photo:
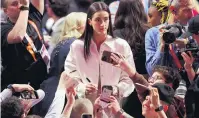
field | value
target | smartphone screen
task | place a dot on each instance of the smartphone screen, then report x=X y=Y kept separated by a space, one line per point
x=29 y=95
x=106 y=56
x=86 y=116
x=107 y=91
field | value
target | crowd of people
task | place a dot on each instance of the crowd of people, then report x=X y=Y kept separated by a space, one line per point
x=99 y=59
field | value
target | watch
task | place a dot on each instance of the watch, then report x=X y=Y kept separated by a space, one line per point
x=11 y=88
x=22 y=8
x=160 y=108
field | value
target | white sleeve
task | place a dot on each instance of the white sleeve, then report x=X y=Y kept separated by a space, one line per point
x=6 y=93
x=126 y=86
x=70 y=66
x=57 y=105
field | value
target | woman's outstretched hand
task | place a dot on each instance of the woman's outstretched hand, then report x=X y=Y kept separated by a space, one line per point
x=121 y=62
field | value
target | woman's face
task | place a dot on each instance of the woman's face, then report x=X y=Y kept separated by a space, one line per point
x=154 y=16
x=100 y=22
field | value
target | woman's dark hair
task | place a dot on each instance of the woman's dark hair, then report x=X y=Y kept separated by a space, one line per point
x=88 y=33
x=132 y=19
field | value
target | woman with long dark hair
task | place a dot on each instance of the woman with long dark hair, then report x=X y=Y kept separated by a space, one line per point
x=131 y=25
x=84 y=59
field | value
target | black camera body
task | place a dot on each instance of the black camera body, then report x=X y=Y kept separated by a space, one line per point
x=172 y=32
x=192 y=47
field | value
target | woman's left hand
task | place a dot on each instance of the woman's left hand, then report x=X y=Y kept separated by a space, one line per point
x=121 y=62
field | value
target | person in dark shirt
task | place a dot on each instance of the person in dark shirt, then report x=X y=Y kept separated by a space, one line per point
x=21 y=42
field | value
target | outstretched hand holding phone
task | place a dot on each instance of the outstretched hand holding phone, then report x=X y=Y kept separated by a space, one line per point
x=121 y=62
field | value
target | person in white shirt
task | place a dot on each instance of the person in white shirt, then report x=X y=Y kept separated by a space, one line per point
x=84 y=59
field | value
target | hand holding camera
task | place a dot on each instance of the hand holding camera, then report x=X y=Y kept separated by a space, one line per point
x=22 y=87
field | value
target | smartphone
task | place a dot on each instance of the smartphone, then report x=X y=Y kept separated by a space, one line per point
x=86 y=115
x=29 y=94
x=106 y=56
x=107 y=91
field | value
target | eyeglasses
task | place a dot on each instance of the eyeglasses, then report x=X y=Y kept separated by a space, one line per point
x=153 y=79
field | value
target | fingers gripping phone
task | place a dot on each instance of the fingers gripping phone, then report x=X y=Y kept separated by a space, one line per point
x=29 y=94
x=106 y=56
x=86 y=116
x=107 y=91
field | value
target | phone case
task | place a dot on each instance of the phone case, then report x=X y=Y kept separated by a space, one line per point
x=107 y=91
x=106 y=56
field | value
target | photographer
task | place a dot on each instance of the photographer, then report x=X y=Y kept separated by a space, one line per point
x=155 y=45
x=14 y=88
x=189 y=59
x=192 y=68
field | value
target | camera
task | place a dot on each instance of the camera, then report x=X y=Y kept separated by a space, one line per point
x=192 y=47
x=172 y=32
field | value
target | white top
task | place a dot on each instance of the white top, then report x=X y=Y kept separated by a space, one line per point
x=57 y=105
x=6 y=93
x=109 y=74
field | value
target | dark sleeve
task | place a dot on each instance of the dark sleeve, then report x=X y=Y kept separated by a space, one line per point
x=138 y=78
x=5 y=29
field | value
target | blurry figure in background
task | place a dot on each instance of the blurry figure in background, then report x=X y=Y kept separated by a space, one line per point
x=56 y=10
x=3 y=16
x=72 y=29
x=158 y=12
x=131 y=25
x=113 y=9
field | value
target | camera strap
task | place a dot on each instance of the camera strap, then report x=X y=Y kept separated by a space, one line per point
x=31 y=47
x=175 y=58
